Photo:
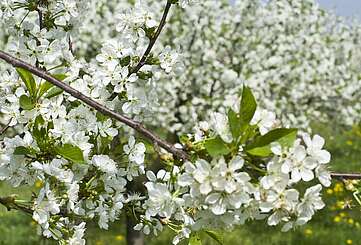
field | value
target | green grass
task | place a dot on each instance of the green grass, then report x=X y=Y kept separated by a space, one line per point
x=331 y=226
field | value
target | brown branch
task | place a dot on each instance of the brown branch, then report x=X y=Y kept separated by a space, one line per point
x=153 y=39
x=121 y=118
x=97 y=106
x=348 y=176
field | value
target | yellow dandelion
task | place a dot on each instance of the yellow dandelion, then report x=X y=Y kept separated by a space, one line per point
x=329 y=191
x=119 y=238
x=340 y=204
x=343 y=214
x=308 y=232
x=337 y=219
x=338 y=188
x=349 y=142
x=38 y=184
x=348 y=241
x=350 y=221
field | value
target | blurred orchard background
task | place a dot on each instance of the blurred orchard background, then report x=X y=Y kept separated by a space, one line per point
x=339 y=223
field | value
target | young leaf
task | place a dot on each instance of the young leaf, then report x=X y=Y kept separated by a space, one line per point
x=262 y=145
x=26 y=103
x=39 y=121
x=40 y=135
x=215 y=236
x=234 y=121
x=262 y=151
x=44 y=87
x=195 y=239
x=29 y=80
x=60 y=76
x=71 y=153
x=54 y=91
x=216 y=147
x=248 y=107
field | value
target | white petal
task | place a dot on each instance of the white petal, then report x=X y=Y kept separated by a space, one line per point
x=323 y=156
x=295 y=175
x=151 y=176
x=236 y=163
x=310 y=163
x=300 y=153
x=318 y=142
x=205 y=188
x=276 y=148
x=307 y=175
x=219 y=208
x=213 y=198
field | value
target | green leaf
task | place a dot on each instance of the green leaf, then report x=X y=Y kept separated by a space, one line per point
x=41 y=137
x=195 y=239
x=44 y=87
x=234 y=121
x=26 y=103
x=39 y=121
x=216 y=147
x=263 y=151
x=125 y=61
x=288 y=139
x=60 y=77
x=22 y=150
x=28 y=79
x=262 y=145
x=215 y=236
x=71 y=153
x=55 y=91
x=248 y=107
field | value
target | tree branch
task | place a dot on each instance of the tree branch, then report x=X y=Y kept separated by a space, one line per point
x=121 y=118
x=153 y=39
x=97 y=106
x=349 y=176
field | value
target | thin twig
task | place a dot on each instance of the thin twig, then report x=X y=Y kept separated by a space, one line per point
x=151 y=44
x=40 y=14
x=97 y=106
x=7 y=126
x=10 y=203
x=70 y=46
x=152 y=40
x=348 y=176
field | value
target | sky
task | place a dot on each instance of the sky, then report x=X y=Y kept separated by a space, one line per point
x=351 y=8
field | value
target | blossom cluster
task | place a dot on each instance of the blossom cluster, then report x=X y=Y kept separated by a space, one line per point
x=224 y=192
